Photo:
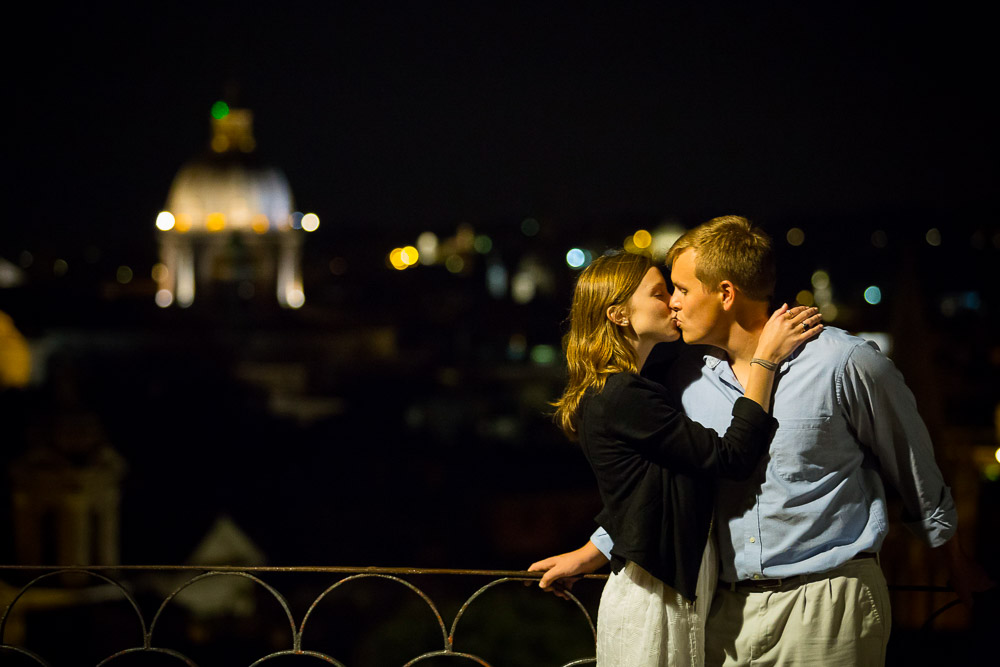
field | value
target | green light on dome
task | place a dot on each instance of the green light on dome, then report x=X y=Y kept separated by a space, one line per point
x=220 y=110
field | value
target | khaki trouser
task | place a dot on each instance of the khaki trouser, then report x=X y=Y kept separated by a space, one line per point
x=841 y=617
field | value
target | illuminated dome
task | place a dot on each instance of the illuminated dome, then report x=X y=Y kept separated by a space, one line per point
x=228 y=190
x=230 y=219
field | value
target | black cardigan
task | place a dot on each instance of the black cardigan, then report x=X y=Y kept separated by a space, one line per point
x=655 y=470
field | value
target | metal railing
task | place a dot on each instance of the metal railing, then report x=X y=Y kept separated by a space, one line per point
x=149 y=640
x=301 y=643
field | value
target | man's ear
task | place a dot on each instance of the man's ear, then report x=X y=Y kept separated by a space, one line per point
x=727 y=293
x=617 y=316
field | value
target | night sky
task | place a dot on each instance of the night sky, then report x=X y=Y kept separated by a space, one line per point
x=389 y=117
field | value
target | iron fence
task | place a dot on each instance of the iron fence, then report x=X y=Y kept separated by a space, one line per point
x=51 y=587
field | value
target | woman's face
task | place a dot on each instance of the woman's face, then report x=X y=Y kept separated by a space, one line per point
x=649 y=311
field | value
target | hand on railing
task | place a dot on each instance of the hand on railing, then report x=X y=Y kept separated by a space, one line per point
x=564 y=570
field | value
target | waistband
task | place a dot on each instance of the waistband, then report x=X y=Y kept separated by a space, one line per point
x=763 y=585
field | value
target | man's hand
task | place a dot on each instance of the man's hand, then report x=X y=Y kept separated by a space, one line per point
x=564 y=570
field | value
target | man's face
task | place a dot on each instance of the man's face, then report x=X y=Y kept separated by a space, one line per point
x=695 y=307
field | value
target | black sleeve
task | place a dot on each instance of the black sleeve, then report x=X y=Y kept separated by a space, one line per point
x=641 y=417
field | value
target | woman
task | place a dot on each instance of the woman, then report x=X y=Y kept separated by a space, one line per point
x=654 y=465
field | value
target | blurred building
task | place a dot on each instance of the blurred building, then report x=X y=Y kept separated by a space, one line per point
x=229 y=223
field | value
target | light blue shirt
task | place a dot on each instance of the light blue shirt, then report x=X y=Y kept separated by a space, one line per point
x=846 y=421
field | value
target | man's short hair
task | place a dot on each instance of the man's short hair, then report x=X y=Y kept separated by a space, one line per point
x=730 y=248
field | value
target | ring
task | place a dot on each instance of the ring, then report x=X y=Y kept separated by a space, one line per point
x=805 y=327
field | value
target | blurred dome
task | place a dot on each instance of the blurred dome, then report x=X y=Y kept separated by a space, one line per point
x=228 y=190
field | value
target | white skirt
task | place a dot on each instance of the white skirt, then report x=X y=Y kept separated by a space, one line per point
x=642 y=622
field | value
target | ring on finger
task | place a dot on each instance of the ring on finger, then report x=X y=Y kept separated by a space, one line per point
x=805 y=327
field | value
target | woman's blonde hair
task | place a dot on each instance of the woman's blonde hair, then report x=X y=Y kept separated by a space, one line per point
x=595 y=347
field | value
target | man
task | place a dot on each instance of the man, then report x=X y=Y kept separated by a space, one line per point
x=800 y=581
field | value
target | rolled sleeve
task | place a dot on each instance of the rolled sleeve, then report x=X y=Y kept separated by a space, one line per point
x=883 y=411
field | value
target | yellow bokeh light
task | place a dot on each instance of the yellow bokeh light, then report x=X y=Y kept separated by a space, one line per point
x=165 y=221
x=996 y=455
x=183 y=223
x=805 y=298
x=310 y=222
x=795 y=236
x=642 y=239
x=215 y=222
x=409 y=255
x=630 y=245
x=160 y=272
x=396 y=259
x=260 y=223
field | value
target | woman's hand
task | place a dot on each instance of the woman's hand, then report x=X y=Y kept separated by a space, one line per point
x=786 y=330
x=564 y=570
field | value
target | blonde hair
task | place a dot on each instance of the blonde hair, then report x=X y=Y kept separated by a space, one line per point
x=730 y=248
x=596 y=347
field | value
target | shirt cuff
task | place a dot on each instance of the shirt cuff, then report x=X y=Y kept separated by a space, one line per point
x=603 y=542
x=936 y=529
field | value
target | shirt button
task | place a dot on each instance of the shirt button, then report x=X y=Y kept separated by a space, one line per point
x=752 y=540
x=756 y=576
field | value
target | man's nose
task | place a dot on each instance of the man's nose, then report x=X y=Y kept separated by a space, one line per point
x=674 y=303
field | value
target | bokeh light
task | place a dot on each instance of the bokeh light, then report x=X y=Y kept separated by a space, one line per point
x=795 y=236
x=165 y=221
x=164 y=298
x=642 y=239
x=310 y=222
x=396 y=259
x=544 y=355
x=260 y=223
x=124 y=274
x=220 y=110
x=805 y=298
x=296 y=298
x=483 y=244
x=873 y=295
x=529 y=226
x=409 y=255
x=820 y=279
x=576 y=258
x=215 y=222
